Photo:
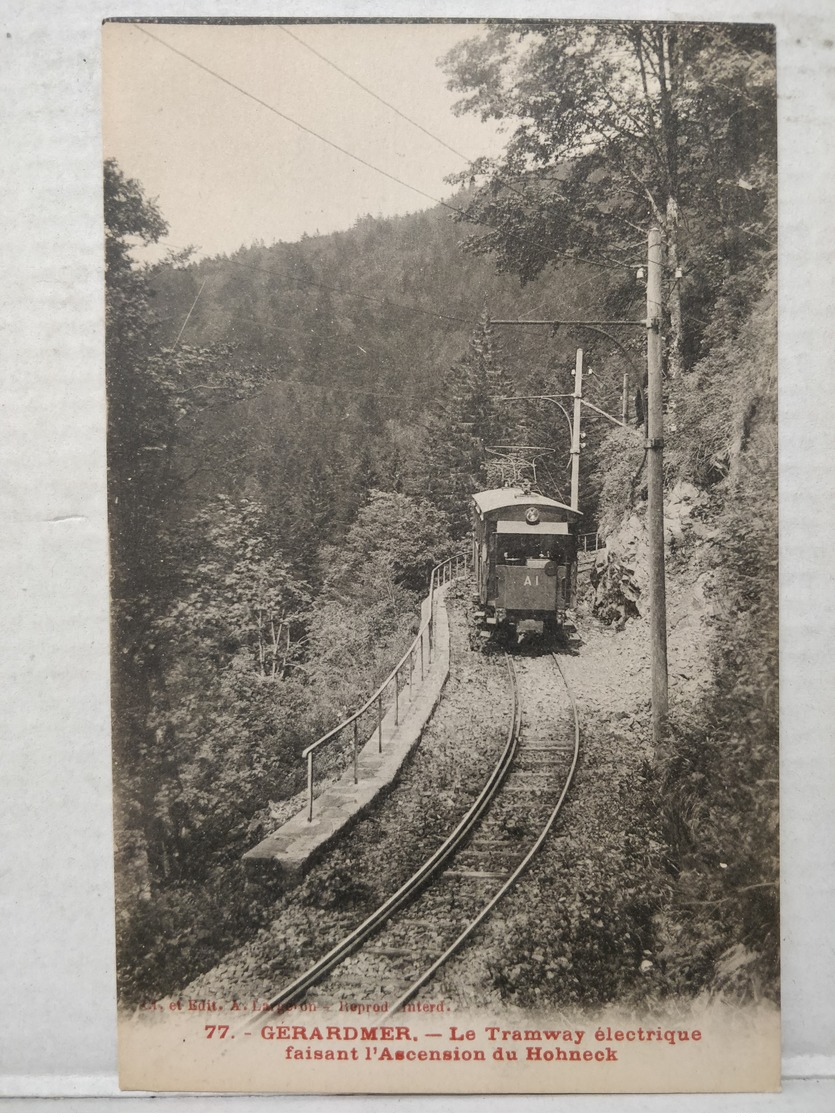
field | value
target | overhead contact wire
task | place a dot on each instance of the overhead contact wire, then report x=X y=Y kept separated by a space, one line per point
x=358 y=158
x=290 y=120
x=393 y=108
x=371 y=93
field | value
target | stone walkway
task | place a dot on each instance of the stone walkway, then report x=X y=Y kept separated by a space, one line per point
x=288 y=850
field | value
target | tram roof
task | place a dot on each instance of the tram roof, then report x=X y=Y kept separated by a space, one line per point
x=511 y=497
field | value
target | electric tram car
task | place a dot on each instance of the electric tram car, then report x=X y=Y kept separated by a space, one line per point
x=525 y=560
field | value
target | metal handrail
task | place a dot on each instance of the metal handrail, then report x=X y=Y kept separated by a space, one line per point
x=585 y=541
x=443 y=573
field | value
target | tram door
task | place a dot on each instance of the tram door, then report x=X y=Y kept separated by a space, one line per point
x=562 y=586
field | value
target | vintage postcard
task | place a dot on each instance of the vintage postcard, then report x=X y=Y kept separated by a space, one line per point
x=442 y=452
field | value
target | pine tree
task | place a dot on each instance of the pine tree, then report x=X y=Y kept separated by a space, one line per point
x=473 y=416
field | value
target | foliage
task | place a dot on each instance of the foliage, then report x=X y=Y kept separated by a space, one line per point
x=365 y=615
x=135 y=408
x=129 y=216
x=137 y=428
x=239 y=598
x=621 y=483
x=613 y=126
x=164 y=939
x=598 y=895
x=730 y=391
x=616 y=595
x=394 y=541
x=719 y=795
x=616 y=125
x=473 y=419
x=284 y=476
x=216 y=664
x=248 y=671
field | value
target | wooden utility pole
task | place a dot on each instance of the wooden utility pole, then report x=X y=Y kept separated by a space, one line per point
x=575 y=430
x=655 y=492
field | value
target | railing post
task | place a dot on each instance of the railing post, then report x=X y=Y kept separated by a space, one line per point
x=356 y=744
x=442 y=575
x=310 y=787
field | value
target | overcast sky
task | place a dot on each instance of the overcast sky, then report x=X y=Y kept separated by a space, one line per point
x=227 y=171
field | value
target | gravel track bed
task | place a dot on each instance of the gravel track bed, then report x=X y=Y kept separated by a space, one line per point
x=385 y=968
x=435 y=787
x=577 y=929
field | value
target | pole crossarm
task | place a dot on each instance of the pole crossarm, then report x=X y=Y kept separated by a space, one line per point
x=556 y=399
x=594 y=326
x=600 y=411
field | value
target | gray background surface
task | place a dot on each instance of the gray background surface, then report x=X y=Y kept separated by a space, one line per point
x=57 y=1034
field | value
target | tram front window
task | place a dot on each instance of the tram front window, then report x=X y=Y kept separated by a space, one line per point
x=526 y=550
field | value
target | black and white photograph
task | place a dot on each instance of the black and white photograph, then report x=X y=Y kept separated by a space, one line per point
x=441 y=365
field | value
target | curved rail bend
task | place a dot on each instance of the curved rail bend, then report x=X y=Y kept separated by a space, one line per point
x=517 y=872
x=291 y=993
x=420 y=879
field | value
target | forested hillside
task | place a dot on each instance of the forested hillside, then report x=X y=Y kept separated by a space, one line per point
x=272 y=454
x=294 y=430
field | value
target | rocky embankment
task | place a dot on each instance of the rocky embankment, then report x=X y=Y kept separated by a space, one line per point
x=617 y=595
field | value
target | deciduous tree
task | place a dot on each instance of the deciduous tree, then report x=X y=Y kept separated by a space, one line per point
x=615 y=125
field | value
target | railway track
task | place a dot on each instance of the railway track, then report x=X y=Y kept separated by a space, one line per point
x=401 y=946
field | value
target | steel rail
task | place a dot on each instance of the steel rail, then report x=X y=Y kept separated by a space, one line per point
x=291 y=993
x=517 y=872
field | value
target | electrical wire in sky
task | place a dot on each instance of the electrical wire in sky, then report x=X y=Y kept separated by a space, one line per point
x=398 y=112
x=371 y=93
x=290 y=120
x=357 y=158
